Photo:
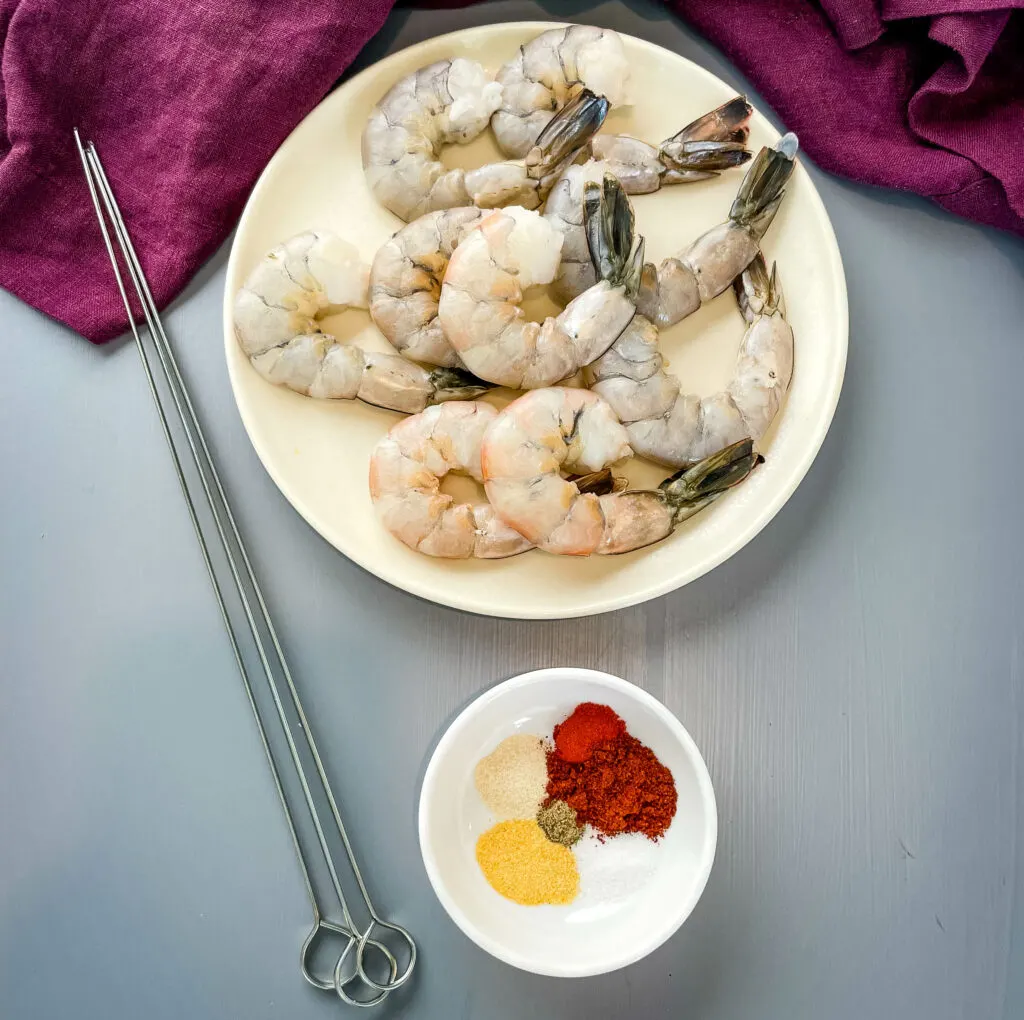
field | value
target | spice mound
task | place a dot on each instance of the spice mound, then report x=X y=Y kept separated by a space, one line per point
x=558 y=822
x=622 y=787
x=588 y=726
x=522 y=864
x=545 y=795
x=512 y=778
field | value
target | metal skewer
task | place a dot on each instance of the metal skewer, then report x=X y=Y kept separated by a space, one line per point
x=351 y=965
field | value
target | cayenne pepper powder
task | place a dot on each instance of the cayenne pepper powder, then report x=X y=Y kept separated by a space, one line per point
x=619 y=786
x=588 y=726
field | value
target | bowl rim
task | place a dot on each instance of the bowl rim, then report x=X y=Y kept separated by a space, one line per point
x=658 y=935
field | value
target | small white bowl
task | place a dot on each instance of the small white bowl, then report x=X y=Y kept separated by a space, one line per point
x=585 y=937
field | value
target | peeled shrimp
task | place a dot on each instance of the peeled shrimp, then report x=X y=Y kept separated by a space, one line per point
x=676 y=428
x=547 y=432
x=451 y=102
x=682 y=283
x=514 y=249
x=447 y=102
x=547 y=72
x=277 y=315
x=405 y=280
x=406 y=469
x=405 y=284
x=705 y=147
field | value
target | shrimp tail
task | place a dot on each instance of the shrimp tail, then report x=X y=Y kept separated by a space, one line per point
x=608 y=220
x=729 y=122
x=764 y=186
x=569 y=131
x=708 y=158
x=758 y=291
x=711 y=143
x=693 y=488
x=456 y=384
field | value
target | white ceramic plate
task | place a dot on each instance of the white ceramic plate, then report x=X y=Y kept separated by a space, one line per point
x=318 y=452
x=595 y=933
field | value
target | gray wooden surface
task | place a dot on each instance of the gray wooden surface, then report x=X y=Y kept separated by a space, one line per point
x=853 y=677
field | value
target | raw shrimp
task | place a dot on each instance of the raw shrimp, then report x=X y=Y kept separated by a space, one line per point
x=406 y=469
x=276 y=317
x=675 y=428
x=547 y=432
x=514 y=249
x=547 y=72
x=682 y=283
x=705 y=147
x=527 y=182
x=451 y=102
x=405 y=280
x=405 y=283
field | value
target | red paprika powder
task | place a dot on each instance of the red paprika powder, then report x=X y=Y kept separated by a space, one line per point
x=618 y=785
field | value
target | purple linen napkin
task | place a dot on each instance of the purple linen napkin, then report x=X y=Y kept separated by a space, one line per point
x=187 y=103
x=920 y=95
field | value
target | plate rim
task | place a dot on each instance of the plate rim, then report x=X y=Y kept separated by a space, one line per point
x=705 y=784
x=450 y=597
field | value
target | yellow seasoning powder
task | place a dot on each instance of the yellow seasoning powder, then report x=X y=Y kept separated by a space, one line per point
x=523 y=865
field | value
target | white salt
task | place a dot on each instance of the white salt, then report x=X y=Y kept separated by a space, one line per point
x=615 y=869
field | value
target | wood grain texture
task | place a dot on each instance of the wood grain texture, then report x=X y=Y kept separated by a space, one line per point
x=853 y=677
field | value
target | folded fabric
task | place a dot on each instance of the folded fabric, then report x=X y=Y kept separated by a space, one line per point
x=189 y=101
x=186 y=102
x=921 y=95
